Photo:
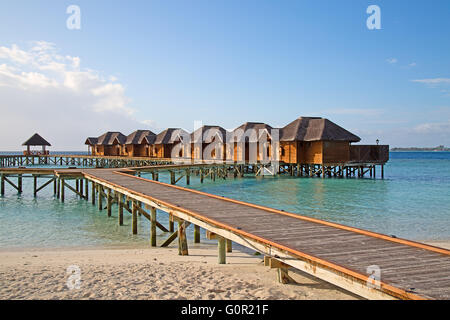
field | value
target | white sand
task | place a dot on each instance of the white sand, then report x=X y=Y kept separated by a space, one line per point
x=150 y=273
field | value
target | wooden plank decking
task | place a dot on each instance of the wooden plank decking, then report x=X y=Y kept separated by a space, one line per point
x=336 y=253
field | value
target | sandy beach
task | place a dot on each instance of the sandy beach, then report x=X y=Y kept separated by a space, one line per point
x=151 y=273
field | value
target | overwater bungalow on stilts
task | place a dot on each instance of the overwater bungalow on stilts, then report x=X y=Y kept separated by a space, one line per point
x=108 y=144
x=166 y=141
x=251 y=142
x=208 y=143
x=138 y=143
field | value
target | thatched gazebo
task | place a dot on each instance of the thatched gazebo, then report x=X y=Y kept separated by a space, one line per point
x=36 y=140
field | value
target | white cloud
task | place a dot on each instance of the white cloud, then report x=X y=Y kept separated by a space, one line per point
x=433 y=81
x=47 y=92
x=413 y=64
x=392 y=60
x=433 y=127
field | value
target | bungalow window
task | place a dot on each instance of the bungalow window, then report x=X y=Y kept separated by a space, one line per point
x=282 y=152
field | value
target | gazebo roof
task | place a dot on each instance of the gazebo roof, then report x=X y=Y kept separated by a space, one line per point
x=36 y=140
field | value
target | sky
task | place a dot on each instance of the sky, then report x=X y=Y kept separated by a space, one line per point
x=157 y=64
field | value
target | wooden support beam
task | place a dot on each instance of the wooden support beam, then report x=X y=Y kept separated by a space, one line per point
x=229 y=246
x=182 y=242
x=19 y=183
x=108 y=202
x=171 y=226
x=34 y=186
x=153 y=226
x=120 y=209
x=170 y=239
x=100 y=197
x=2 y=185
x=196 y=234
x=211 y=236
x=62 y=183
x=222 y=250
x=93 y=193
x=73 y=189
x=134 y=216
x=45 y=184
x=86 y=189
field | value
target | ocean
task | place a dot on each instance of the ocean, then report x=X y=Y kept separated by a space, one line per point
x=413 y=202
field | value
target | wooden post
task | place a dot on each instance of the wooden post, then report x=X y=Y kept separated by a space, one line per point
x=171 y=226
x=54 y=186
x=62 y=189
x=182 y=242
x=196 y=234
x=93 y=193
x=99 y=190
x=81 y=187
x=86 y=189
x=222 y=250
x=19 y=183
x=134 y=216
x=229 y=246
x=58 y=195
x=120 y=205
x=382 y=171
x=108 y=202
x=153 y=226
x=188 y=176
x=2 y=185
x=172 y=177
x=35 y=185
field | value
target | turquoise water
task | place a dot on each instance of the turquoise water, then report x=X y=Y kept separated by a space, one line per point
x=412 y=202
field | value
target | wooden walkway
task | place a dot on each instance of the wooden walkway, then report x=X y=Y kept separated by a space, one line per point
x=339 y=254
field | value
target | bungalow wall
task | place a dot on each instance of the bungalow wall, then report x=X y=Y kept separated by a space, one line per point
x=315 y=152
x=243 y=152
x=197 y=155
x=161 y=151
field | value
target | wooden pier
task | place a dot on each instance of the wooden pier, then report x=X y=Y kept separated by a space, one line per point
x=348 y=257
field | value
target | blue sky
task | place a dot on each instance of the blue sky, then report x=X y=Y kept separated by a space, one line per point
x=161 y=64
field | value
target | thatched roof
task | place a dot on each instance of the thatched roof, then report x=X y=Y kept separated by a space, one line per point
x=250 y=132
x=36 y=140
x=206 y=134
x=171 y=135
x=91 y=141
x=139 y=136
x=110 y=137
x=315 y=129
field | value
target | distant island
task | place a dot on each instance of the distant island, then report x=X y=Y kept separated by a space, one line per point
x=438 y=148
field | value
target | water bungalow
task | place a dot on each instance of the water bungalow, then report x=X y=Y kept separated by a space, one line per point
x=208 y=143
x=166 y=141
x=108 y=144
x=36 y=140
x=313 y=140
x=138 y=144
x=251 y=139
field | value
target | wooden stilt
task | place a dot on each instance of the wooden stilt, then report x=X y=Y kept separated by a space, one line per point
x=188 y=176
x=171 y=226
x=93 y=193
x=382 y=171
x=34 y=186
x=153 y=227
x=86 y=189
x=182 y=242
x=100 y=197
x=62 y=189
x=120 y=209
x=196 y=234
x=229 y=246
x=54 y=185
x=108 y=202
x=19 y=183
x=2 y=185
x=134 y=216
x=222 y=250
